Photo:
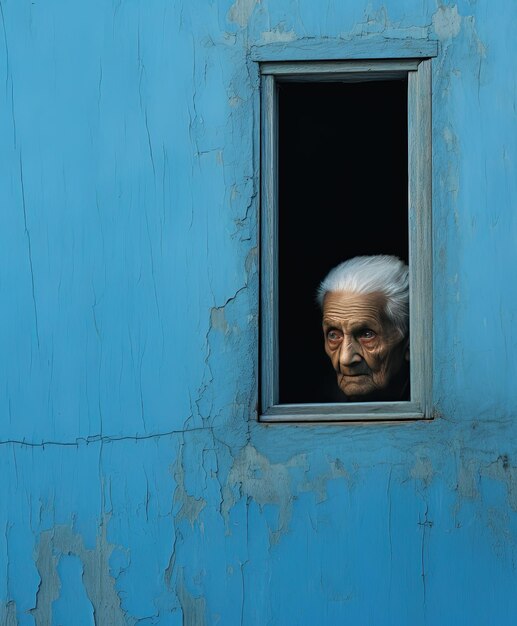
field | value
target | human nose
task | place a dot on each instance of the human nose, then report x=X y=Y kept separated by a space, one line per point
x=349 y=353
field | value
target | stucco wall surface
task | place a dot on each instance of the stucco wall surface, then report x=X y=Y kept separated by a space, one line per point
x=136 y=485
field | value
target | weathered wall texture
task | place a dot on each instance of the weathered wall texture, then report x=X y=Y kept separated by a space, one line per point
x=137 y=486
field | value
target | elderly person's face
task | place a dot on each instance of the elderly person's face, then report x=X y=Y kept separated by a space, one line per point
x=366 y=349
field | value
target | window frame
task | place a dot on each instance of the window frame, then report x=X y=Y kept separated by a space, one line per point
x=418 y=72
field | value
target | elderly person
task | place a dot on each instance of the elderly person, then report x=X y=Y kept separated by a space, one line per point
x=365 y=304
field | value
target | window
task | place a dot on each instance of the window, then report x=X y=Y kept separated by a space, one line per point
x=346 y=171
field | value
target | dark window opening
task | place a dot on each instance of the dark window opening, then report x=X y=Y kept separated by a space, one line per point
x=343 y=192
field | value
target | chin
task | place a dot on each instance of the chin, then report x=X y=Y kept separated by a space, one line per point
x=355 y=390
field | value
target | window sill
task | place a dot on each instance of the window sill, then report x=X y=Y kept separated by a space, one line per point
x=353 y=412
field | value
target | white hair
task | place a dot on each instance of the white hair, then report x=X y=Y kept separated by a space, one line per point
x=370 y=274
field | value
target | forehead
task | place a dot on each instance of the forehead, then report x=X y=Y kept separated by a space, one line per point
x=345 y=306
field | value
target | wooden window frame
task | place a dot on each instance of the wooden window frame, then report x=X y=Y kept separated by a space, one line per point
x=418 y=73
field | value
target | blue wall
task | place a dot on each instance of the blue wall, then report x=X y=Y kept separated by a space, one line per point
x=137 y=486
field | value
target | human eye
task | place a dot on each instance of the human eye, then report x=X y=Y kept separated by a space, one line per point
x=367 y=334
x=333 y=335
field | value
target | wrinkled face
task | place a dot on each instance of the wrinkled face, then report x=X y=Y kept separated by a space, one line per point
x=365 y=348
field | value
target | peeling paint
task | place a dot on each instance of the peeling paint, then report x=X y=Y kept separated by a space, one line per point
x=251 y=261
x=447 y=22
x=451 y=140
x=468 y=477
x=278 y=34
x=193 y=608
x=218 y=320
x=253 y=475
x=480 y=48
x=48 y=590
x=241 y=11
x=502 y=470
x=378 y=22
x=423 y=470
x=190 y=507
x=99 y=584
x=8 y=614
x=319 y=484
x=472 y=470
x=147 y=408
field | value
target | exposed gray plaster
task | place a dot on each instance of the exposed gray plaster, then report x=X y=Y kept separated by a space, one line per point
x=218 y=320
x=99 y=584
x=471 y=470
x=251 y=261
x=8 y=614
x=48 y=590
x=468 y=477
x=451 y=141
x=320 y=484
x=479 y=47
x=240 y=11
x=190 y=507
x=253 y=475
x=423 y=470
x=378 y=22
x=193 y=608
x=502 y=470
x=447 y=22
x=278 y=34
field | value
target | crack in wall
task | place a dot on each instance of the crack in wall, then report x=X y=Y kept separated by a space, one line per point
x=29 y=251
x=93 y=439
x=193 y=608
x=502 y=470
x=254 y=477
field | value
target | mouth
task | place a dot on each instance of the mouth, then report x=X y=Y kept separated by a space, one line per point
x=354 y=375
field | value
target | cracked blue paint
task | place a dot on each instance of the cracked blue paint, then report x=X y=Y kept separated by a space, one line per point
x=137 y=486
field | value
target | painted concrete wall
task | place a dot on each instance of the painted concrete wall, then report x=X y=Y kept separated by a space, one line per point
x=137 y=486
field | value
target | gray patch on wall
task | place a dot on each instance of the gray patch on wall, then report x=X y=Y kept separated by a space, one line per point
x=240 y=11
x=263 y=481
x=502 y=470
x=99 y=585
x=447 y=22
x=8 y=614
x=193 y=608
x=191 y=507
x=423 y=470
x=254 y=476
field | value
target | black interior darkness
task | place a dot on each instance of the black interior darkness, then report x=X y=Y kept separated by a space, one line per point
x=342 y=193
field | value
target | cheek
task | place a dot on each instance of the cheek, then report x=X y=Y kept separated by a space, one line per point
x=332 y=354
x=330 y=349
x=378 y=357
x=385 y=359
x=374 y=353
